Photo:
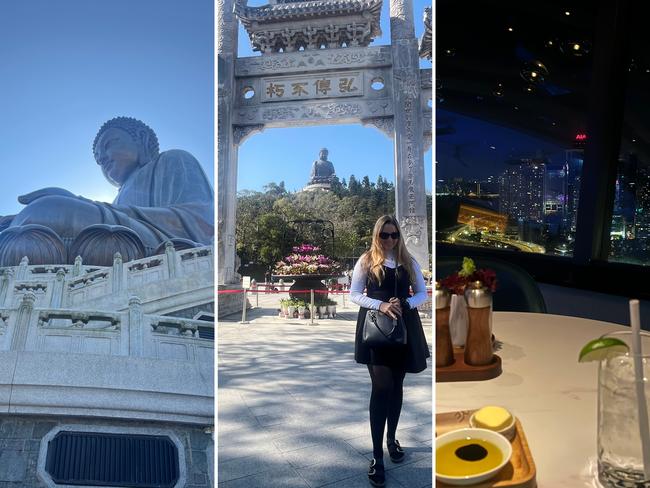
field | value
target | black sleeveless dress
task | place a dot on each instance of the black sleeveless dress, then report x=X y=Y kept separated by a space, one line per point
x=413 y=356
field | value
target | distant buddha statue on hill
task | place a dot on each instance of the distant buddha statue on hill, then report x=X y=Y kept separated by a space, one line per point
x=162 y=197
x=322 y=170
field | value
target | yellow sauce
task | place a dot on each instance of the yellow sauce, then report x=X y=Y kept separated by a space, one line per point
x=467 y=457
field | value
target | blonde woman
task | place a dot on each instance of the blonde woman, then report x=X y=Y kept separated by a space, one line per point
x=376 y=271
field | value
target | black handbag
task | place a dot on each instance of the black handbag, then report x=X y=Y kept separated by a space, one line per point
x=381 y=331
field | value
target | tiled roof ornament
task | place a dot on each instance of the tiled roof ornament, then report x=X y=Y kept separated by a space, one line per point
x=291 y=25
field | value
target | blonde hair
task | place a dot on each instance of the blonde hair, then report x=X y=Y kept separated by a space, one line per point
x=373 y=259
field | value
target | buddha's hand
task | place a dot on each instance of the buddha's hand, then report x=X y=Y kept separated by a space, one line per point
x=44 y=192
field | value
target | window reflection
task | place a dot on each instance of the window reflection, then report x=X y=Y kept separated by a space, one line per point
x=511 y=119
x=630 y=226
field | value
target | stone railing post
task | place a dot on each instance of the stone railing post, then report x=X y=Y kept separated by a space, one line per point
x=6 y=285
x=136 y=327
x=77 y=269
x=22 y=268
x=118 y=272
x=56 y=300
x=21 y=326
x=172 y=258
x=4 y=325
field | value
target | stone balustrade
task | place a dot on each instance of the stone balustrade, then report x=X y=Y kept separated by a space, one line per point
x=130 y=333
x=117 y=341
x=44 y=310
x=75 y=285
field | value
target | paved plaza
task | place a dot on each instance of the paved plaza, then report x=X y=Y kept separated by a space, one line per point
x=293 y=405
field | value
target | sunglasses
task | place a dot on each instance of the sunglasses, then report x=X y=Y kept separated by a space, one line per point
x=386 y=235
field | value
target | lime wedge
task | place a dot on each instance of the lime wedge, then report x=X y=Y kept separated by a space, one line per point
x=602 y=348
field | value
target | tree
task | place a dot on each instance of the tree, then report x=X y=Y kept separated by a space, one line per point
x=263 y=236
x=353 y=186
x=275 y=189
x=337 y=187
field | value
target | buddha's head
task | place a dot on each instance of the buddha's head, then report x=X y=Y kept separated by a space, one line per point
x=323 y=154
x=123 y=144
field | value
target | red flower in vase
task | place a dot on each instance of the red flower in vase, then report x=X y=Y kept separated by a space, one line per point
x=458 y=281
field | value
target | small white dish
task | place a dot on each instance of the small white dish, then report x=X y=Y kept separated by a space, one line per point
x=508 y=431
x=501 y=443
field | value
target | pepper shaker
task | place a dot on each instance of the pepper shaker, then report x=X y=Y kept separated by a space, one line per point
x=444 y=348
x=478 y=347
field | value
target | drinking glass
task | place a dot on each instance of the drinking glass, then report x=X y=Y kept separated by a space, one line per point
x=620 y=458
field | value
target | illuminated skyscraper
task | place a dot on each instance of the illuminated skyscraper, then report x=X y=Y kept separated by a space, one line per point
x=642 y=215
x=574 y=160
x=555 y=189
x=521 y=189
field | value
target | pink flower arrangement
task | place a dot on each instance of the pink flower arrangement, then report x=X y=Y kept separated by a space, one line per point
x=306 y=259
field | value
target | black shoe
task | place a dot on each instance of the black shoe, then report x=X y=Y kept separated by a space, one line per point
x=395 y=451
x=376 y=474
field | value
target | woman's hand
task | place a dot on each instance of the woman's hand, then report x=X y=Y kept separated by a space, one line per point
x=392 y=309
x=397 y=305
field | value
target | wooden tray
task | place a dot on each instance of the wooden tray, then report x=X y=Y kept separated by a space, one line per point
x=520 y=470
x=459 y=371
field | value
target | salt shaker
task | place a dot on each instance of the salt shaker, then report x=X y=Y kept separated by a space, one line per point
x=478 y=347
x=444 y=349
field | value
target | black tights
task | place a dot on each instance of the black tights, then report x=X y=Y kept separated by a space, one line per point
x=385 y=404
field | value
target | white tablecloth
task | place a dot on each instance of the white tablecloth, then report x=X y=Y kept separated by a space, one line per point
x=543 y=384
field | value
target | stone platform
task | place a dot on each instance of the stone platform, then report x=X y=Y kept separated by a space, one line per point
x=127 y=348
x=293 y=406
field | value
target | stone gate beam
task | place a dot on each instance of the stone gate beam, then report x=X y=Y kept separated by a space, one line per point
x=226 y=147
x=410 y=193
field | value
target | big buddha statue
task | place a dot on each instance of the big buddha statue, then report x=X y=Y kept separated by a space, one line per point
x=162 y=197
x=322 y=173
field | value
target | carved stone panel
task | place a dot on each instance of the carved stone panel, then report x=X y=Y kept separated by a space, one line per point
x=313 y=61
x=291 y=114
x=366 y=83
x=384 y=124
x=305 y=87
x=242 y=132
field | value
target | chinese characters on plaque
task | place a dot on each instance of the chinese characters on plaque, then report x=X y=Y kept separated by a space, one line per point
x=330 y=85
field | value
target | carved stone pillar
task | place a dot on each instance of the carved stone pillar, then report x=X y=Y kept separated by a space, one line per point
x=410 y=193
x=227 y=149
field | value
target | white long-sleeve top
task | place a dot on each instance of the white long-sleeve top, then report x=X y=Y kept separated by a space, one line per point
x=360 y=275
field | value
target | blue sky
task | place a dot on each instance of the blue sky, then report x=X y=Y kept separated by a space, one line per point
x=287 y=154
x=477 y=148
x=67 y=66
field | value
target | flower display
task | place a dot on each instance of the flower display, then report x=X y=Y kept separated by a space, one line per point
x=456 y=282
x=306 y=259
